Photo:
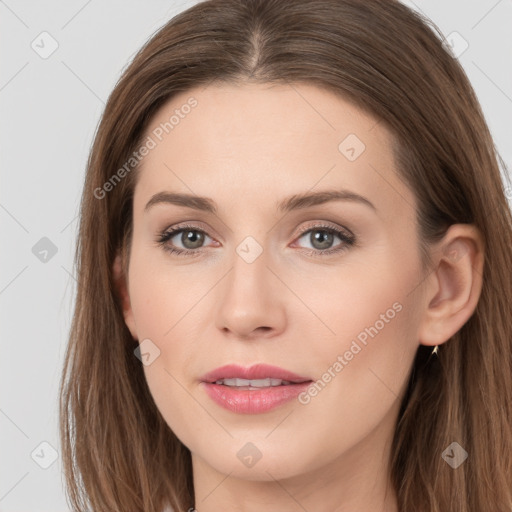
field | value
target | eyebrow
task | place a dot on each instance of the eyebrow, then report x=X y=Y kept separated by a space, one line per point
x=295 y=202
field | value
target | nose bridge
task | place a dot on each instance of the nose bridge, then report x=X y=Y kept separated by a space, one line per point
x=249 y=274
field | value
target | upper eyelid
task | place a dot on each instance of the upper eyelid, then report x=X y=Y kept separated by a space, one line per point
x=183 y=227
x=326 y=225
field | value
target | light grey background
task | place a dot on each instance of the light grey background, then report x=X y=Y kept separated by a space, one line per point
x=50 y=108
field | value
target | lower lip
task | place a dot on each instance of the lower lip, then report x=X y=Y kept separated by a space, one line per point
x=253 y=401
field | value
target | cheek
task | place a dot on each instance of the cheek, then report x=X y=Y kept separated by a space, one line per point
x=368 y=342
x=163 y=296
x=164 y=305
x=364 y=302
x=361 y=374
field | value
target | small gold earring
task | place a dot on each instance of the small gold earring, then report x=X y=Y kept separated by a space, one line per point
x=436 y=349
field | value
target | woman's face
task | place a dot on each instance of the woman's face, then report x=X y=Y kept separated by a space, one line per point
x=328 y=290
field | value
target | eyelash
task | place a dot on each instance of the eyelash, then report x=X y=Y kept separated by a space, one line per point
x=348 y=240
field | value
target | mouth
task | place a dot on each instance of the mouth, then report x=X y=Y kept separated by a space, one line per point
x=254 y=383
x=259 y=388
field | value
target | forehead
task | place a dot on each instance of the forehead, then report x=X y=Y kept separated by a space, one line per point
x=236 y=114
x=268 y=141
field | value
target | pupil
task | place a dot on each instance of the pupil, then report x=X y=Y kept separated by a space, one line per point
x=324 y=238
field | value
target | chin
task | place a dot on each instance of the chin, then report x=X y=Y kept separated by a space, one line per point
x=258 y=460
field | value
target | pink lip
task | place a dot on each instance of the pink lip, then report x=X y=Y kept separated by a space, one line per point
x=257 y=371
x=252 y=401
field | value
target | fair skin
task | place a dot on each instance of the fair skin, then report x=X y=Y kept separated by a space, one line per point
x=247 y=148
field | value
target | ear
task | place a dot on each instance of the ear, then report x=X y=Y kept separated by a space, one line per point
x=121 y=285
x=453 y=287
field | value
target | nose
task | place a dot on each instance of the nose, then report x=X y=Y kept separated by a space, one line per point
x=251 y=300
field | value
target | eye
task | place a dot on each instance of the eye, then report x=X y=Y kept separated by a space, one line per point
x=190 y=237
x=322 y=237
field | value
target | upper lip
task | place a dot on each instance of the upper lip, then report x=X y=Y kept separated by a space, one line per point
x=257 y=371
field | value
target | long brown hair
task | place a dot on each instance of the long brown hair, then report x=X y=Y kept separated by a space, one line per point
x=118 y=452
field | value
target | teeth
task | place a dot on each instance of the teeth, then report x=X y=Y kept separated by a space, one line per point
x=255 y=383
